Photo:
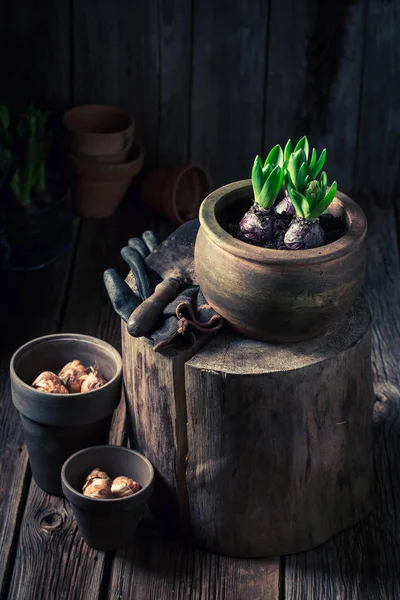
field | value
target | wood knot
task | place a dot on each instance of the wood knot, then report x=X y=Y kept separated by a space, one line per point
x=383 y=406
x=51 y=521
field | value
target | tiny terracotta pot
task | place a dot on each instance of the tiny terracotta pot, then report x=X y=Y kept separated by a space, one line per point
x=176 y=192
x=277 y=295
x=57 y=425
x=102 y=132
x=107 y=524
x=99 y=188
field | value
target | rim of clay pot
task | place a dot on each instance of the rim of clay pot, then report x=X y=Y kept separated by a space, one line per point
x=221 y=198
x=96 y=170
x=72 y=490
x=181 y=172
x=73 y=115
x=68 y=337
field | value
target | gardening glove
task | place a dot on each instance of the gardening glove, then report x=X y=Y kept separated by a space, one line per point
x=184 y=320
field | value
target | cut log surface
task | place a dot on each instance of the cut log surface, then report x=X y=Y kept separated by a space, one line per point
x=265 y=449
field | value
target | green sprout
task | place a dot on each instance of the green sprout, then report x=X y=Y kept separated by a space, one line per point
x=267 y=177
x=315 y=199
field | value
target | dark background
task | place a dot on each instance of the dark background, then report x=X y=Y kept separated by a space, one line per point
x=216 y=81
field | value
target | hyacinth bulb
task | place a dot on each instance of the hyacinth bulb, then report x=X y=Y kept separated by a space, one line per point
x=49 y=382
x=97 y=485
x=93 y=380
x=124 y=486
x=285 y=206
x=72 y=375
x=256 y=225
x=303 y=235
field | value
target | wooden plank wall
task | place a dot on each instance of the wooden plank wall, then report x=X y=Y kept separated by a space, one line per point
x=217 y=82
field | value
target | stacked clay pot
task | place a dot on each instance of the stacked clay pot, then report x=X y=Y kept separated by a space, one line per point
x=103 y=155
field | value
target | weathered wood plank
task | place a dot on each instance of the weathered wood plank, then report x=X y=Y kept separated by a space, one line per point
x=116 y=60
x=314 y=78
x=378 y=158
x=35 y=54
x=174 y=86
x=49 y=541
x=157 y=568
x=363 y=563
x=229 y=65
x=31 y=307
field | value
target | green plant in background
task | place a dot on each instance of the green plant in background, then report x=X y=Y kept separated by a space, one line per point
x=33 y=144
x=6 y=137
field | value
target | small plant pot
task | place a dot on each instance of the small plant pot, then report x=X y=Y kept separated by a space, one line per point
x=32 y=240
x=107 y=524
x=102 y=132
x=57 y=425
x=176 y=192
x=99 y=188
x=277 y=295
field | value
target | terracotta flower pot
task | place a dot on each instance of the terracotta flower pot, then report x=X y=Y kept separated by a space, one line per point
x=107 y=524
x=57 y=425
x=98 y=189
x=102 y=132
x=277 y=295
x=176 y=192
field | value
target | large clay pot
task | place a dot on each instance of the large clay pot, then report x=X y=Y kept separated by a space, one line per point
x=176 y=192
x=277 y=295
x=101 y=132
x=99 y=188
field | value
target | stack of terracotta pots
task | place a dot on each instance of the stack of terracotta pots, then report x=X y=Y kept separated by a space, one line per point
x=103 y=155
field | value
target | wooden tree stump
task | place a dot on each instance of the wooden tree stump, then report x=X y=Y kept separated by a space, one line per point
x=260 y=449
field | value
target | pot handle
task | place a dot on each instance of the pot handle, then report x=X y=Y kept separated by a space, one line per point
x=145 y=316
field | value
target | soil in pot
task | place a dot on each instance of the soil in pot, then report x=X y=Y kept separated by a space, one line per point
x=333 y=226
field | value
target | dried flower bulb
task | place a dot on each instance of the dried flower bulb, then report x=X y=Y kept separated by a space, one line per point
x=124 y=486
x=49 y=382
x=72 y=375
x=93 y=380
x=97 y=485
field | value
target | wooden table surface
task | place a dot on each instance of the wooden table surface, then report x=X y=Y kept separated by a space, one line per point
x=42 y=554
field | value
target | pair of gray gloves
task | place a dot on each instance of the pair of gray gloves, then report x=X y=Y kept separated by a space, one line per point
x=183 y=320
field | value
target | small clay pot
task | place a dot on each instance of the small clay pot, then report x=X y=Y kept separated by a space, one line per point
x=176 y=192
x=107 y=524
x=99 y=188
x=277 y=295
x=57 y=425
x=102 y=132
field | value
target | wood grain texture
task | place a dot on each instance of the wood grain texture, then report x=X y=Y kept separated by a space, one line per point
x=116 y=61
x=31 y=307
x=156 y=418
x=35 y=54
x=174 y=92
x=155 y=568
x=378 y=157
x=229 y=62
x=282 y=436
x=49 y=537
x=314 y=78
x=362 y=564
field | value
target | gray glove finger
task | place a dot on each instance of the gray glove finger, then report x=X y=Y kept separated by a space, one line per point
x=150 y=239
x=136 y=265
x=140 y=247
x=123 y=299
